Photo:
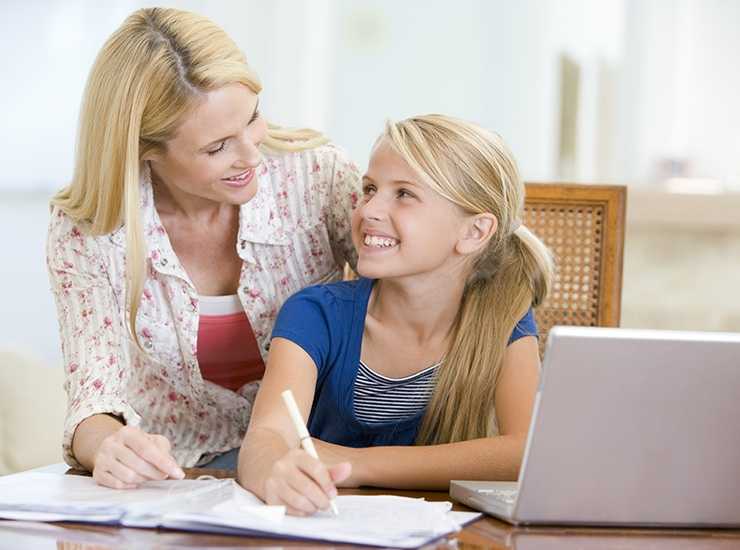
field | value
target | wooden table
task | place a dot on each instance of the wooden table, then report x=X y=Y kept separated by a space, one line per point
x=482 y=533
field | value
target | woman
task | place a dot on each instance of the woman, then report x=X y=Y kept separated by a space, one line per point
x=187 y=223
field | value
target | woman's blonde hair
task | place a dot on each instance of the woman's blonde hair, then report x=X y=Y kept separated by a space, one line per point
x=473 y=168
x=151 y=71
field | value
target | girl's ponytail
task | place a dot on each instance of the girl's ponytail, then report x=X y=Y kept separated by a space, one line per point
x=514 y=278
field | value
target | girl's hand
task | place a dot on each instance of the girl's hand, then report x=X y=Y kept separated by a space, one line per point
x=303 y=484
x=129 y=457
x=331 y=453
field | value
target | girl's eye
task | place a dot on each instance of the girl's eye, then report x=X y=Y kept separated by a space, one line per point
x=368 y=189
x=219 y=149
x=403 y=194
x=255 y=116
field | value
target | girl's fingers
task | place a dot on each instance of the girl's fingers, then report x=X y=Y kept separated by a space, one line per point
x=340 y=472
x=307 y=487
x=301 y=482
x=319 y=474
x=278 y=492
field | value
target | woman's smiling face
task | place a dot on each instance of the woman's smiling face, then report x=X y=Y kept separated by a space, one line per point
x=215 y=153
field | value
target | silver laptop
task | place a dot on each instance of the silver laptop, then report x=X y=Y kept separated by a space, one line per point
x=630 y=427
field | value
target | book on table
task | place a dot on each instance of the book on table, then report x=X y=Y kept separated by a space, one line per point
x=222 y=506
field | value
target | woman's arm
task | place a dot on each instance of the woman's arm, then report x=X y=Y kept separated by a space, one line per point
x=433 y=466
x=271 y=463
x=90 y=433
x=91 y=330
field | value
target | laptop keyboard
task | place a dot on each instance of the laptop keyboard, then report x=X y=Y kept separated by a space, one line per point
x=508 y=496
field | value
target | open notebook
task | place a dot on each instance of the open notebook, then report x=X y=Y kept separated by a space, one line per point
x=222 y=506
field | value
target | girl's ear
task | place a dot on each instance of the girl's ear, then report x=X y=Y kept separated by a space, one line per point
x=477 y=232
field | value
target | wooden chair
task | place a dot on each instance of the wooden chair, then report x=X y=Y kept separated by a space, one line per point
x=583 y=225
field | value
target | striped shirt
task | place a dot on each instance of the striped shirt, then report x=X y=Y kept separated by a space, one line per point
x=379 y=399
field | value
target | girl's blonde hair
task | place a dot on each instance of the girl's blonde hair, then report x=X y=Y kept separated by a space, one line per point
x=151 y=71
x=473 y=168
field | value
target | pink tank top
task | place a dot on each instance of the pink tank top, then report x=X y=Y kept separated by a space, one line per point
x=228 y=353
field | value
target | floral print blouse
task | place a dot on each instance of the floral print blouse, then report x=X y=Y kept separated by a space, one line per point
x=295 y=232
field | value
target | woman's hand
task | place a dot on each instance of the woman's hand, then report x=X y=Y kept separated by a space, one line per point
x=128 y=457
x=303 y=484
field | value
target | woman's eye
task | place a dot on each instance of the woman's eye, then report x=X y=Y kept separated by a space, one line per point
x=368 y=189
x=218 y=149
x=255 y=116
x=403 y=194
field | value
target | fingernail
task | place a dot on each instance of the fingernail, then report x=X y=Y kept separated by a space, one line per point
x=332 y=492
x=177 y=473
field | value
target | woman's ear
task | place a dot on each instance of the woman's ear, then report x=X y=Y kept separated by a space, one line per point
x=152 y=152
x=477 y=232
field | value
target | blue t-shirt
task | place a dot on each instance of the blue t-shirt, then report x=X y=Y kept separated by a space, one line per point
x=327 y=322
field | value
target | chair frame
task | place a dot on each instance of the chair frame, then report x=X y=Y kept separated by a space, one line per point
x=612 y=198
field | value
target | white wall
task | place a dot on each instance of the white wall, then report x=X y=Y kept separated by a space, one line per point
x=28 y=322
x=681 y=84
x=659 y=77
x=479 y=61
x=343 y=67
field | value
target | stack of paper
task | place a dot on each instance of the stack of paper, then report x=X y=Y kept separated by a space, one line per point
x=223 y=506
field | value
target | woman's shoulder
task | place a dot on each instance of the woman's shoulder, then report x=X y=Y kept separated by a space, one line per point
x=65 y=232
x=326 y=158
x=63 y=227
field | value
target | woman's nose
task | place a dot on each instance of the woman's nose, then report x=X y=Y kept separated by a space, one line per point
x=249 y=152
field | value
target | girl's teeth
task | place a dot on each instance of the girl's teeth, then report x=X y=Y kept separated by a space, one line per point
x=382 y=242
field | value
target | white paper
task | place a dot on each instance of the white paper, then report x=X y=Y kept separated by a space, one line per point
x=223 y=506
x=375 y=520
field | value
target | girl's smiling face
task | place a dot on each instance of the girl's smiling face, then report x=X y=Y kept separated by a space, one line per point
x=402 y=227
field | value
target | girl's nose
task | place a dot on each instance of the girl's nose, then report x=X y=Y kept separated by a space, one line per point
x=373 y=209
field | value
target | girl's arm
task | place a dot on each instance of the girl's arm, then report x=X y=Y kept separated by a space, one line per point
x=433 y=466
x=271 y=463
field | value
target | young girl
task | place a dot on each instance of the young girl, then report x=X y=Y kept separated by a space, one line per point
x=425 y=369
